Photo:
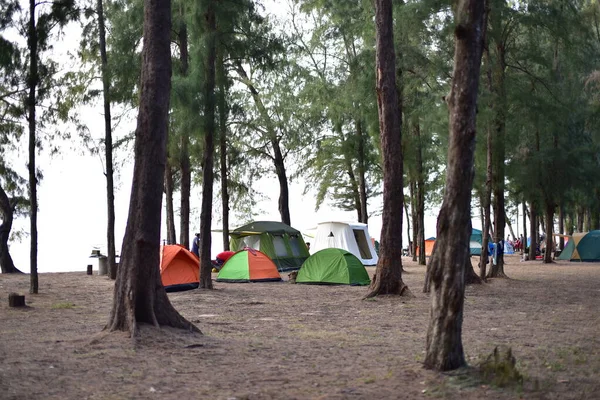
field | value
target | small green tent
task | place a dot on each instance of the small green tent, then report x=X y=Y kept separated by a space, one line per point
x=584 y=246
x=282 y=243
x=333 y=266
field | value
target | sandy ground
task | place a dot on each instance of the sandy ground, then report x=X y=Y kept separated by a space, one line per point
x=284 y=341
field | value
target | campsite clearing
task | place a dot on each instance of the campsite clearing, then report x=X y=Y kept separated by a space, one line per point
x=276 y=340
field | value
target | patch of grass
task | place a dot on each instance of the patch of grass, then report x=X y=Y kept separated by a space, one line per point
x=62 y=306
x=499 y=369
x=370 y=379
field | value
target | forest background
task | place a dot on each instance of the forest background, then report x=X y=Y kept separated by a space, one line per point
x=546 y=88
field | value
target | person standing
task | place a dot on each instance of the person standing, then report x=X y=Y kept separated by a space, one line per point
x=196 y=245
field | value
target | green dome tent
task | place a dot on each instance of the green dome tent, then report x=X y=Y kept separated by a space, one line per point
x=584 y=246
x=282 y=243
x=333 y=266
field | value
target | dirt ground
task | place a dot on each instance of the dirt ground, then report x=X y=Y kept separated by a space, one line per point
x=284 y=341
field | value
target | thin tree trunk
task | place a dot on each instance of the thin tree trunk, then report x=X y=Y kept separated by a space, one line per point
x=415 y=218
x=7 y=210
x=407 y=225
x=278 y=160
x=32 y=82
x=184 y=156
x=139 y=296
x=108 y=146
x=362 y=182
x=588 y=220
x=420 y=193
x=487 y=197
x=170 y=217
x=444 y=349
x=532 y=231
x=549 y=229
x=524 y=244
x=580 y=219
x=510 y=228
x=221 y=81
x=388 y=274
x=561 y=228
x=209 y=148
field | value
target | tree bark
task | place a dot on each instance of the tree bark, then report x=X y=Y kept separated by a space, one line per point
x=362 y=182
x=487 y=197
x=184 y=155
x=420 y=193
x=407 y=225
x=415 y=218
x=221 y=81
x=139 y=296
x=32 y=82
x=444 y=349
x=388 y=274
x=278 y=160
x=108 y=147
x=209 y=148
x=532 y=231
x=561 y=228
x=170 y=217
x=549 y=230
x=524 y=244
x=7 y=266
x=579 y=218
x=498 y=155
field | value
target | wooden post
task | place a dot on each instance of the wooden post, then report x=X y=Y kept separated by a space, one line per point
x=89 y=269
x=16 y=300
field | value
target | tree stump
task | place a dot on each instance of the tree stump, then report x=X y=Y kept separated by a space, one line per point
x=90 y=270
x=16 y=300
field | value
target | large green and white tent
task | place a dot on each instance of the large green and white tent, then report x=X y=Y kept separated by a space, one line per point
x=584 y=246
x=333 y=266
x=282 y=243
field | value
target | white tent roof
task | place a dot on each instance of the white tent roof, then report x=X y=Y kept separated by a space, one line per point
x=353 y=237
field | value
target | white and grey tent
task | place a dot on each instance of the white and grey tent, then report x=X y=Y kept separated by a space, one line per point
x=353 y=237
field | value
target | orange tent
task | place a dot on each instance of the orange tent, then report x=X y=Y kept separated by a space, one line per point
x=428 y=246
x=249 y=266
x=179 y=268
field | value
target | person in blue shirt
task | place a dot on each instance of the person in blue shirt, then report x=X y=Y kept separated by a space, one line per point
x=491 y=251
x=196 y=245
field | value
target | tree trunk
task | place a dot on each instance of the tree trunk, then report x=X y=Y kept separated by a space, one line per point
x=497 y=271
x=184 y=156
x=471 y=278
x=561 y=228
x=221 y=81
x=108 y=147
x=420 y=193
x=139 y=296
x=588 y=220
x=510 y=228
x=209 y=148
x=7 y=266
x=415 y=218
x=362 y=182
x=487 y=198
x=32 y=82
x=169 y=188
x=549 y=229
x=278 y=160
x=388 y=274
x=444 y=350
x=407 y=225
x=579 y=219
x=524 y=244
x=532 y=231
